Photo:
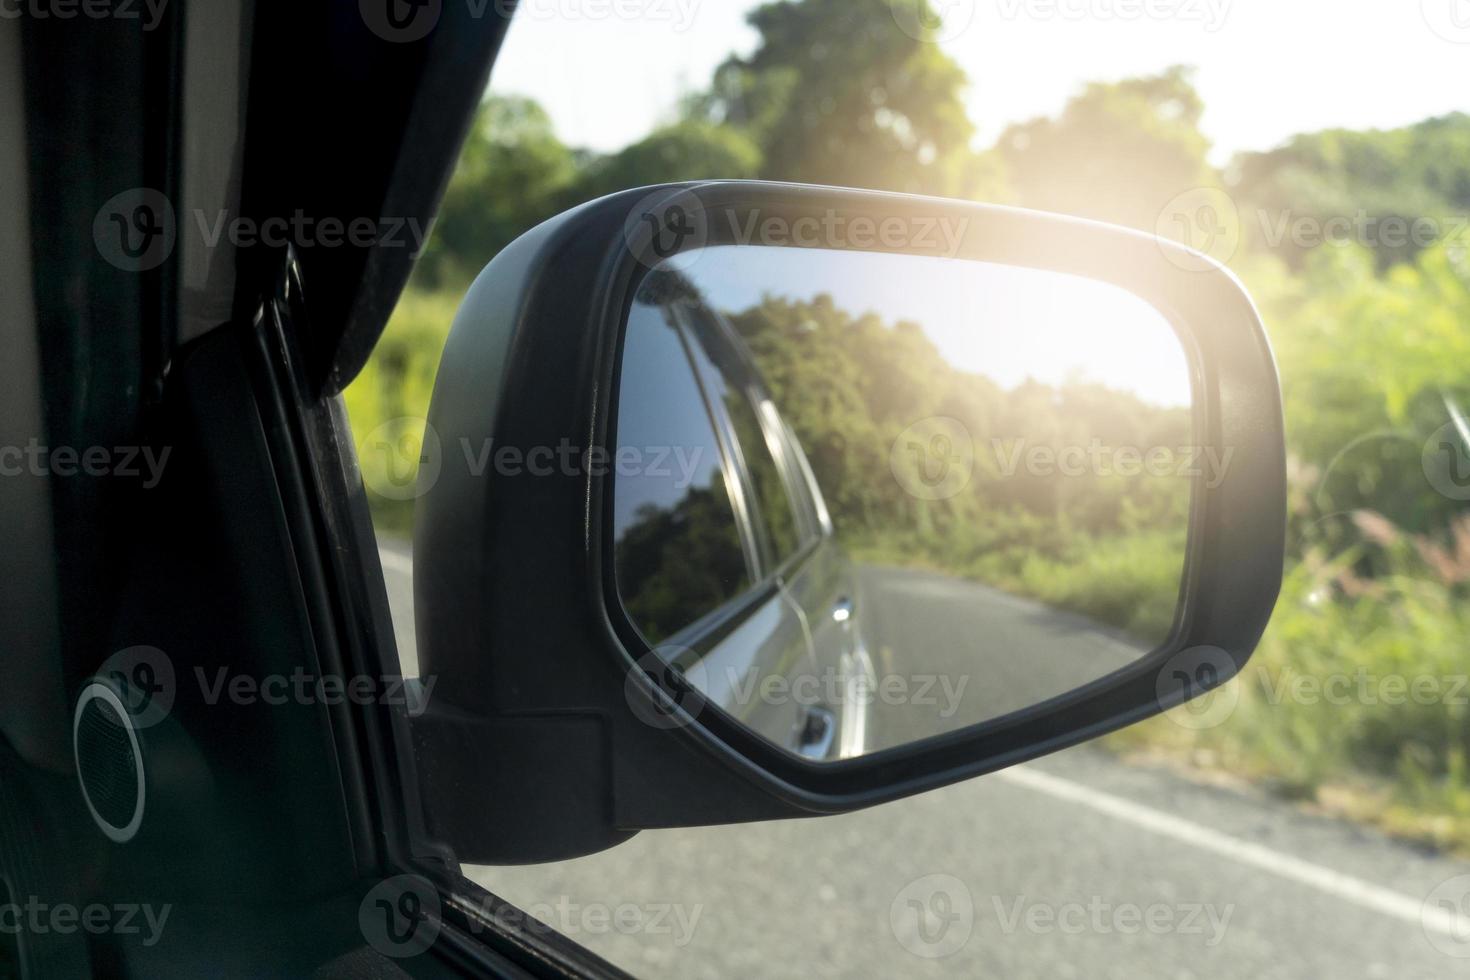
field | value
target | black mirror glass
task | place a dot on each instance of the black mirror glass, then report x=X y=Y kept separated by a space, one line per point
x=864 y=498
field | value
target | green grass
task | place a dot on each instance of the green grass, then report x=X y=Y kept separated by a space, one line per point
x=388 y=402
x=1354 y=701
x=1130 y=581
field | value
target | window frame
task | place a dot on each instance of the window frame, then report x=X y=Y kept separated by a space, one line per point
x=689 y=644
x=748 y=518
x=750 y=387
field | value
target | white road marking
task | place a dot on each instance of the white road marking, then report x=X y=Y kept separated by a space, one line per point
x=1354 y=890
x=400 y=563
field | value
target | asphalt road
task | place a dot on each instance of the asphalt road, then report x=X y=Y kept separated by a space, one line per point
x=1074 y=866
x=963 y=653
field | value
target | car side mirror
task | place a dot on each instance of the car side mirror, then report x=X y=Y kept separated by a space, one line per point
x=766 y=500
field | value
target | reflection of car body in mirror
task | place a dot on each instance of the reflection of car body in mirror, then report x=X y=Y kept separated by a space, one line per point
x=725 y=556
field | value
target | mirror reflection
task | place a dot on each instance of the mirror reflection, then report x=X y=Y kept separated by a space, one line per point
x=864 y=498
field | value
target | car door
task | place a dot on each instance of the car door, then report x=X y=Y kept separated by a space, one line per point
x=800 y=550
x=825 y=586
x=692 y=554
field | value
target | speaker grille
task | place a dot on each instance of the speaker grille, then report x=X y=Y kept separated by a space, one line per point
x=107 y=763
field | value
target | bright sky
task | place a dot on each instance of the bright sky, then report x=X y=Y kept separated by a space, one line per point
x=1005 y=322
x=610 y=70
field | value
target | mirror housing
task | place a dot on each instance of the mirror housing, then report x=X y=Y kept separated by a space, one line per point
x=553 y=731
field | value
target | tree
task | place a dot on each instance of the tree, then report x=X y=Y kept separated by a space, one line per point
x=511 y=175
x=1119 y=152
x=688 y=150
x=1375 y=185
x=837 y=94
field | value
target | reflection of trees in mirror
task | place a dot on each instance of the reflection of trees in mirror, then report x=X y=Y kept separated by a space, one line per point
x=733 y=382
x=1104 y=544
x=678 y=561
x=678 y=554
x=663 y=287
x=676 y=564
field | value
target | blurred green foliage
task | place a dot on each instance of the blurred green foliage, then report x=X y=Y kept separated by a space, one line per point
x=851 y=385
x=1118 y=152
x=834 y=94
x=1373 y=179
x=513 y=172
x=1373 y=341
x=388 y=402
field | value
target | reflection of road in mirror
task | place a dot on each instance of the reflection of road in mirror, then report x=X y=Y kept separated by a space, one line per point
x=1015 y=652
